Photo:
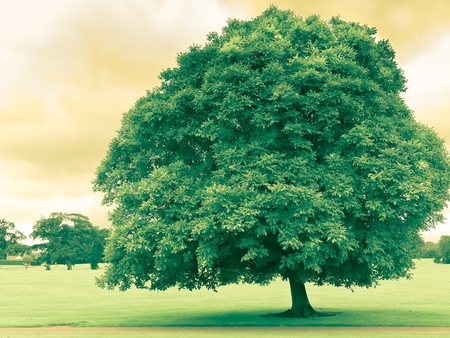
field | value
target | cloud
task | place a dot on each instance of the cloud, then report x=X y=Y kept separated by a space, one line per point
x=428 y=77
x=43 y=207
x=79 y=80
x=80 y=70
x=68 y=73
x=429 y=74
x=71 y=68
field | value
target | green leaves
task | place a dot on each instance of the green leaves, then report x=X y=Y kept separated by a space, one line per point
x=70 y=239
x=443 y=250
x=9 y=237
x=280 y=145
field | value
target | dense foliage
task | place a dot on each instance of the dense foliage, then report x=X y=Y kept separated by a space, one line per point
x=10 y=239
x=282 y=147
x=425 y=249
x=69 y=239
x=443 y=250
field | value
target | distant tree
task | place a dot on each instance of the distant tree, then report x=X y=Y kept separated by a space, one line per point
x=429 y=250
x=17 y=248
x=280 y=148
x=443 y=251
x=67 y=239
x=28 y=258
x=424 y=249
x=32 y=258
x=9 y=239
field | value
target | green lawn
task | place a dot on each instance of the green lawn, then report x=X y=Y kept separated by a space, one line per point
x=224 y=333
x=35 y=297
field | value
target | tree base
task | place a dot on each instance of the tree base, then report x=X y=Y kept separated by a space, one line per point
x=302 y=312
x=305 y=312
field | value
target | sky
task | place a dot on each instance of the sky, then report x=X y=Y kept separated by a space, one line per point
x=70 y=69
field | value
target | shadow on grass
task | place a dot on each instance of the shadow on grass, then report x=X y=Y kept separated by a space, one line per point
x=257 y=318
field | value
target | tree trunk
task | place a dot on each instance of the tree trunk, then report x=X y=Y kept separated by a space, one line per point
x=69 y=265
x=301 y=308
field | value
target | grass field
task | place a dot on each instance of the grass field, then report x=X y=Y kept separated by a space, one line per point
x=35 y=297
x=265 y=332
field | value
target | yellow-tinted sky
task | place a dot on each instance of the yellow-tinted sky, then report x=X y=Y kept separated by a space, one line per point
x=69 y=69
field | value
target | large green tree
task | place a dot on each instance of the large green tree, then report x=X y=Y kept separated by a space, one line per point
x=282 y=147
x=69 y=239
x=10 y=239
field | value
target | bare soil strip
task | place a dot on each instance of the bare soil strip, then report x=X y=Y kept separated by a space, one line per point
x=299 y=329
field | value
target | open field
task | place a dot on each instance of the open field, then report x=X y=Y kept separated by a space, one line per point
x=35 y=297
x=224 y=332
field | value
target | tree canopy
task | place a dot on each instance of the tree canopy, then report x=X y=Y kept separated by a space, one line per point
x=70 y=239
x=10 y=239
x=282 y=147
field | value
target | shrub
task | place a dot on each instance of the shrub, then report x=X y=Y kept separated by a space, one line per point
x=5 y=262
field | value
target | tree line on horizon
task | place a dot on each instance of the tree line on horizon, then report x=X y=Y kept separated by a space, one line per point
x=72 y=239
x=440 y=251
x=67 y=239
